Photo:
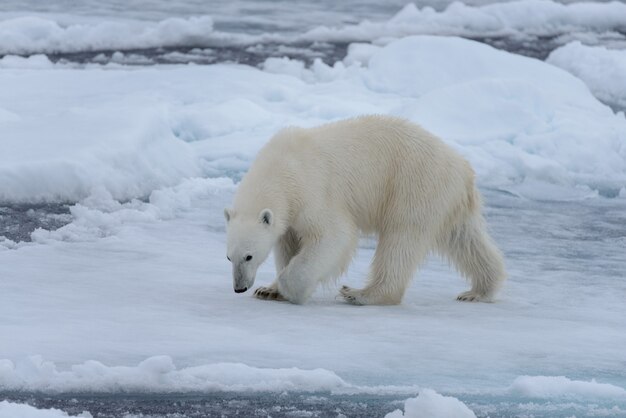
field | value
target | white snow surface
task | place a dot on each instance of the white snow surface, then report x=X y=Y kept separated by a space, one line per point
x=602 y=69
x=430 y=404
x=135 y=294
x=30 y=33
x=17 y=410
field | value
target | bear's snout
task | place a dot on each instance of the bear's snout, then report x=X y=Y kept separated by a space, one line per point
x=241 y=290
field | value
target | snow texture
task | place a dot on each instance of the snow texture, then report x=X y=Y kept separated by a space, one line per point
x=523 y=18
x=159 y=374
x=560 y=386
x=602 y=69
x=430 y=404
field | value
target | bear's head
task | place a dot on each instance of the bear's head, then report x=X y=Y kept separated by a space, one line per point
x=249 y=242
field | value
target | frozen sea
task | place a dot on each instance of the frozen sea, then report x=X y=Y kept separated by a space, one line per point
x=124 y=129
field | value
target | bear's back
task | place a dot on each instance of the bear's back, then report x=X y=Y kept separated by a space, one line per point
x=367 y=164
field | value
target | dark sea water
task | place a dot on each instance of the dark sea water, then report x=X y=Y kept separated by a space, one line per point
x=218 y=405
x=255 y=55
x=291 y=405
x=17 y=221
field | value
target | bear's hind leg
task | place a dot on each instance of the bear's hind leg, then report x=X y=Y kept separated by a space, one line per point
x=474 y=254
x=397 y=256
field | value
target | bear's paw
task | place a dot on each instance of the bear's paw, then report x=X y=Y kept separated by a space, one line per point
x=268 y=293
x=352 y=296
x=471 y=296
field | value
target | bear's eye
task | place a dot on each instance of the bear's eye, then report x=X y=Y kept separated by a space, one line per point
x=228 y=258
x=248 y=257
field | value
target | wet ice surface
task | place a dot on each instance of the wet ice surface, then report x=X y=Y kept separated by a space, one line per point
x=582 y=236
x=561 y=313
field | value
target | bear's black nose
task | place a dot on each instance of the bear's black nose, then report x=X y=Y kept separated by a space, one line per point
x=241 y=290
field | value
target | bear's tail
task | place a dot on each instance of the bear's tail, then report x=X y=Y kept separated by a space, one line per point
x=472 y=251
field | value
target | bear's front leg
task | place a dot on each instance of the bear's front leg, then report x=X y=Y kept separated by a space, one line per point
x=295 y=285
x=319 y=259
x=298 y=280
x=269 y=293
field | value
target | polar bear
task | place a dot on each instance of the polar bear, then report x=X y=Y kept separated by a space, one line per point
x=310 y=193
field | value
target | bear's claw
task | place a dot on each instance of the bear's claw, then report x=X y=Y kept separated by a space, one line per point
x=268 y=293
x=471 y=296
x=350 y=295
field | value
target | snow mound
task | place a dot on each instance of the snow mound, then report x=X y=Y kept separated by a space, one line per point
x=430 y=404
x=61 y=145
x=30 y=34
x=17 y=410
x=560 y=386
x=407 y=67
x=159 y=374
x=602 y=69
x=516 y=118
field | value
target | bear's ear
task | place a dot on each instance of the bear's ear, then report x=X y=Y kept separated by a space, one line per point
x=266 y=217
x=228 y=213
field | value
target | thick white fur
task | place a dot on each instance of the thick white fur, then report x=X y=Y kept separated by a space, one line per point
x=375 y=175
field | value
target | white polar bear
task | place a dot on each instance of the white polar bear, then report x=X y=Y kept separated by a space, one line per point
x=310 y=192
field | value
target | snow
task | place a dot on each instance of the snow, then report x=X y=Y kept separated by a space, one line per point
x=32 y=33
x=135 y=294
x=15 y=410
x=524 y=100
x=159 y=374
x=37 y=61
x=520 y=122
x=602 y=69
x=58 y=150
x=430 y=404
x=460 y=62
x=560 y=386
x=521 y=18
